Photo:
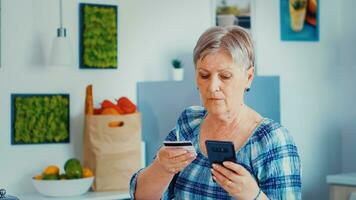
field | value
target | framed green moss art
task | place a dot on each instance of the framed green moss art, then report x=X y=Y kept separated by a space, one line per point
x=98 y=36
x=39 y=118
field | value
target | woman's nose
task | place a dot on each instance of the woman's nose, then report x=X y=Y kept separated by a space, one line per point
x=214 y=85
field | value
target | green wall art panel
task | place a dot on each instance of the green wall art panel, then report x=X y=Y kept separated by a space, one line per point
x=40 y=118
x=98 y=36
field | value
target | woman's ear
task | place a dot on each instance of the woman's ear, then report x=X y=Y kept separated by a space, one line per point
x=250 y=76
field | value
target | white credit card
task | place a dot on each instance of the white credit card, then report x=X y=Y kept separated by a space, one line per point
x=188 y=145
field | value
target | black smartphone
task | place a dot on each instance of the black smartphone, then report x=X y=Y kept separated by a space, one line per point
x=220 y=151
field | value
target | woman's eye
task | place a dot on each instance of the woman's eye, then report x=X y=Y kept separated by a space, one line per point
x=204 y=76
x=225 y=76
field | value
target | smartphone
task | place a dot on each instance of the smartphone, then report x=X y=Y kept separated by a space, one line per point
x=220 y=151
x=188 y=145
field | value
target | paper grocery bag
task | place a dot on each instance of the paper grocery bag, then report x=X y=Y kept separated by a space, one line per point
x=112 y=149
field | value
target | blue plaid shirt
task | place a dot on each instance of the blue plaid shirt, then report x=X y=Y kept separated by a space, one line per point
x=270 y=155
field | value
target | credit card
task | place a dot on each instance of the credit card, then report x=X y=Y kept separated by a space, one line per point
x=188 y=145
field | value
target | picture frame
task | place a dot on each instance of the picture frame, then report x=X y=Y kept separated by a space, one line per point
x=233 y=12
x=300 y=20
x=98 y=36
x=248 y=25
x=40 y=118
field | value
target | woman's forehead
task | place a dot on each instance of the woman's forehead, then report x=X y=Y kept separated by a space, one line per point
x=218 y=60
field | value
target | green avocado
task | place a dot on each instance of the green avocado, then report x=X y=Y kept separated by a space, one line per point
x=73 y=169
x=71 y=162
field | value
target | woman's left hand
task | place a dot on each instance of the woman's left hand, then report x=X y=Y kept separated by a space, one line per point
x=236 y=180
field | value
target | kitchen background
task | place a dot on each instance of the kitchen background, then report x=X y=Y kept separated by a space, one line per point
x=316 y=78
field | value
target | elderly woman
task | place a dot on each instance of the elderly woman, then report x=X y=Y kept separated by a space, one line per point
x=268 y=164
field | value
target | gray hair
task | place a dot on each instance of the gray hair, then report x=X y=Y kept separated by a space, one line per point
x=234 y=40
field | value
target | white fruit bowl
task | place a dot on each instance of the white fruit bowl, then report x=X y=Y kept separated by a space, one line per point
x=63 y=188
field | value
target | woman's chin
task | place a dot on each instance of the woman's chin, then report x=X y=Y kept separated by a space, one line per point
x=216 y=111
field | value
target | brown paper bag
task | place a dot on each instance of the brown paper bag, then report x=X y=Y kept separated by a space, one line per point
x=113 y=153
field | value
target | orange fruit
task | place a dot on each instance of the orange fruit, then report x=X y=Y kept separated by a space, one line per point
x=311 y=20
x=312 y=6
x=52 y=169
x=109 y=111
x=38 y=177
x=87 y=172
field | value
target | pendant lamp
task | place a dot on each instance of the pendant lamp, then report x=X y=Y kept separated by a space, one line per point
x=61 y=53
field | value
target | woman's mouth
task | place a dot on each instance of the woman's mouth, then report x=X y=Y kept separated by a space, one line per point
x=214 y=99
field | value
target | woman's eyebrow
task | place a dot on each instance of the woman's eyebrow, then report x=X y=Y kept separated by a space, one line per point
x=223 y=68
x=202 y=69
x=229 y=69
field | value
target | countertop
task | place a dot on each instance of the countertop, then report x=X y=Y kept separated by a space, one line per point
x=342 y=179
x=88 y=195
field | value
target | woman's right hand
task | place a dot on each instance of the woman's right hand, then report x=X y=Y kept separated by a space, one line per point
x=173 y=160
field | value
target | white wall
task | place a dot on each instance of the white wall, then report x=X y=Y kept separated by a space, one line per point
x=308 y=72
x=346 y=84
x=150 y=35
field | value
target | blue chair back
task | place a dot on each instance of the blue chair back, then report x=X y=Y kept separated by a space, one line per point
x=162 y=102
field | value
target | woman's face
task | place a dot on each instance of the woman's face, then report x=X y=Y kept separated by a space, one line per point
x=221 y=83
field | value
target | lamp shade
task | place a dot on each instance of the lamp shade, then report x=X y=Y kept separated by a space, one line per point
x=61 y=54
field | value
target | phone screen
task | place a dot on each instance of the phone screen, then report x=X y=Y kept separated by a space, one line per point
x=220 y=151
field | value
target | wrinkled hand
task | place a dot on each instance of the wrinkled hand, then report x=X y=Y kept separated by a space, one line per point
x=236 y=180
x=173 y=160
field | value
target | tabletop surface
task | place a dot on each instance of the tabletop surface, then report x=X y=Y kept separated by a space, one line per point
x=88 y=195
x=343 y=179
